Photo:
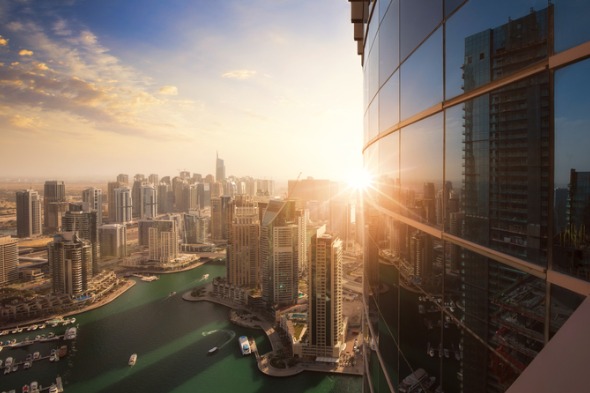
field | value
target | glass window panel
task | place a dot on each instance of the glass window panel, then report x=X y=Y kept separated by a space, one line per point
x=505 y=168
x=451 y=6
x=373 y=114
x=389 y=103
x=486 y=40
x=572 y=171
x=571 y=23
x=421 y=77
x=421 y=168
x=389 y=38
x=383 y=5
x=388 y=182
x=418 y=19
x=451 y=212
x=373 y=67
x=563 y=305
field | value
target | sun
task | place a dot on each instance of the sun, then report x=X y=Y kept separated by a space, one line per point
x=360 y=180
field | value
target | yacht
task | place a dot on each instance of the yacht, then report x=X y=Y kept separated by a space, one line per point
x=245 y=345
x=34 y=387
x=133 y=359
x=53 y=389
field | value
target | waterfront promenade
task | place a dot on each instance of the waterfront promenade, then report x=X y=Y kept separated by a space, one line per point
x=251 y=319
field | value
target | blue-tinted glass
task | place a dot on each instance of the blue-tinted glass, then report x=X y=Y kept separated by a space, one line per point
x=486 y=40
x=418 y=19
x=572 y=170
x=373 y=67
x=506 y=169
x=451 y=6
x=421 y=168
x=383 y=5
x=451 y=214
x=421 y=77
x=389 y=39
x=373 y=118
x=571 y=23
x=389 y=103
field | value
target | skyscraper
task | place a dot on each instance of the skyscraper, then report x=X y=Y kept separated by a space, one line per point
x=219 y=169
x=85 y=224
x=163 y=241
x=149 y=201
x=92 y=197
x=243 y=250
x=113 y=240
x=324 y=315
x=472 y=120
x=28 y=213
x=8 y=260
x=122 y=205
x=279 y=253
x=70 y=263
x=54 y=205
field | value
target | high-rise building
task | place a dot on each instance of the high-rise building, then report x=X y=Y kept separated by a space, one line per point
x=219 y=169
x=163 y=242
x=70 y=263
x=279 y=253
x=473 y=127
x=8 y=260
x=92 y=198
x=111 y=198
x=28 y=213
x=123 y=179
x=54 y=205
x=196 y=228
x=324 y=315
x=85 y=224
x=243 y=250
x=113 y=240
x=122 y=205
x=221 y=215
x=149 y=201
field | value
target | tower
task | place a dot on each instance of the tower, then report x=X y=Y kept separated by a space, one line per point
x=70 y=263
x=28 y=213
x=54 y=205
x=243 y=262
x=8 y=260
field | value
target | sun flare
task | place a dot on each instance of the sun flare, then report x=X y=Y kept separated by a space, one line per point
x=360 y=180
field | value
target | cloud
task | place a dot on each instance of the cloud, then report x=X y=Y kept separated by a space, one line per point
x=25 y=52
x=169 y=90
x=3 y=41
x=21 y=121
x=41 y=66
x=239 y=74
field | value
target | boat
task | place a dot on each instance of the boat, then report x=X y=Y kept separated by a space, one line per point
x=133 y=359
x=172 y=294
x=205 y=276
x=24 y=343
x=36 y=355
x=70 y=333
x=212 y=350
x=53 y=389
x=34 y=387
x=418 y=381
x=25 y=389
x=8 y=362
x=50 y=337
x=245 y=345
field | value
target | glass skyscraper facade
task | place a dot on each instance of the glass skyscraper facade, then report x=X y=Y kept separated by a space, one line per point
x=476 y=134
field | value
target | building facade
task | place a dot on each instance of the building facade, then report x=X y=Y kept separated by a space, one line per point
x=113 y=240
x=324 y=316
x=8 y=260
x=243 y=249
x=122 y=205
x=92 y=198
x=54 y=205
x=85 y=224
x=473 y=260
x=70 y=263
x=28 y=213
x=279 y=253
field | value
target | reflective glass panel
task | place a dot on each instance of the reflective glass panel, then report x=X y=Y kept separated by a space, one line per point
x=389 y=39
x=571 y=23
x=486 y=40
x=421 y=168
x=572 y=171
x=421 y=77
x=563 y=305
x=388 y=181
x=389 y=103
x=418 y=19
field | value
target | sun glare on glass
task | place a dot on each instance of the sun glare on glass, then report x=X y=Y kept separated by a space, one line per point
x=360 y=180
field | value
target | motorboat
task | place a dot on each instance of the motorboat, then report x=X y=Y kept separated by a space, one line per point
x=133 y=359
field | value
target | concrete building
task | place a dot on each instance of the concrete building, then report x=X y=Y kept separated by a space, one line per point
x=8 y=260
x=279 y=253
x=28 y=213
x=113 y=240
x=92 y=198
x=54 y=205
x=85 y=224
x=70 y=264
x=243 y=250
x=122 y=205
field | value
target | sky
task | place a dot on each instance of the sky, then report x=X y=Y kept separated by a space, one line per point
x=91 y=89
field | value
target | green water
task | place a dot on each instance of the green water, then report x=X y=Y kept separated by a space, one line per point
x=171 y=337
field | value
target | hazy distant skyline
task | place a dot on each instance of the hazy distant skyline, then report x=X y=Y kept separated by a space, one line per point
x=93 y=89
